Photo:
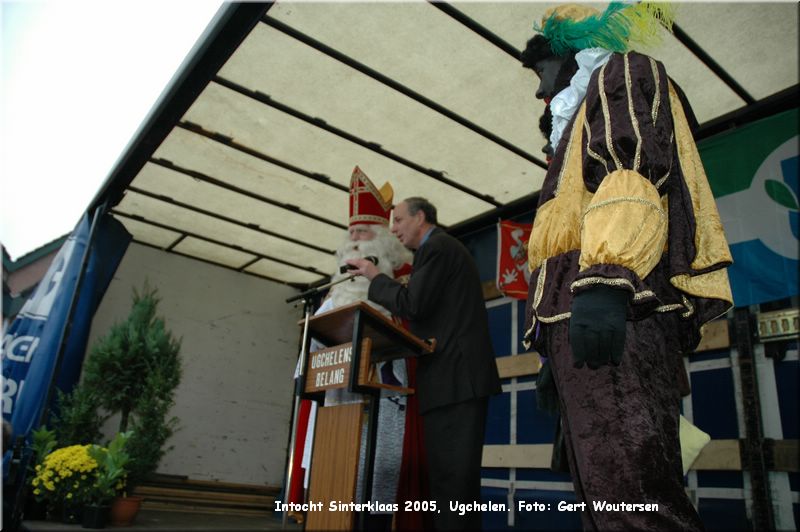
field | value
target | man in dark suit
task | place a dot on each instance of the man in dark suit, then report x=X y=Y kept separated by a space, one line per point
x=444 y=300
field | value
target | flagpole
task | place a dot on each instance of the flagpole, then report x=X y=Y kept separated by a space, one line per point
x=22 y=494
x=307 y=304
x=99 y=211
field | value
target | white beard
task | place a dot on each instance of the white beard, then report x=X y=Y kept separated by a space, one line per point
x=391 y=256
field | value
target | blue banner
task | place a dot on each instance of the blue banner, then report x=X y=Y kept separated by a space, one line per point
x=31 y=343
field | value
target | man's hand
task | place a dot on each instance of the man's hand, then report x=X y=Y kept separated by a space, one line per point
x=597 y=326
x=363 y=267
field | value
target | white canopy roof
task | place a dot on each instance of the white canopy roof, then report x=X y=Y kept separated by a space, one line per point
x=246 y=159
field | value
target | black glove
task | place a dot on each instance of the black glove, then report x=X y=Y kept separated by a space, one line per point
x=597 y=326
x=546 y=392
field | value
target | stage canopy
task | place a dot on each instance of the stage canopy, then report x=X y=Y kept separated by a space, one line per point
x=246 y=158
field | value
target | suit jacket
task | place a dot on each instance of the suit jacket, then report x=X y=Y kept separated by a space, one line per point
x=444 y=300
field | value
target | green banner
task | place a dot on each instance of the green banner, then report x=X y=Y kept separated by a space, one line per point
x=753 y=172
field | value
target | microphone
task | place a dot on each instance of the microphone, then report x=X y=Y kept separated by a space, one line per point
x=345 y=267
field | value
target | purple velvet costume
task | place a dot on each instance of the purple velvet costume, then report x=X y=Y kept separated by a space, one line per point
x=625 y=203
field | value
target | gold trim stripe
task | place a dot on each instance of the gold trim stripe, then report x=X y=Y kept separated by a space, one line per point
x=657 y=95
x=661 y=309
x=366 y=185
x=643 y=294
x=606 y=115
x=634 y=121
x=601 y=280
x=669 y=308
x=662 y=180
x=537 y=298
x=527 y=343
x=591 y=153
x=632 y=199
x=557 y=317
x=540 y=279
x=689 y=307
x=611 y=282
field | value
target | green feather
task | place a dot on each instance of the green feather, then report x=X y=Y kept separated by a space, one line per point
x=614 y=29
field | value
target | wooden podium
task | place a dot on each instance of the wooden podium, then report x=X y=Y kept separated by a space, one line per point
x=359 y=336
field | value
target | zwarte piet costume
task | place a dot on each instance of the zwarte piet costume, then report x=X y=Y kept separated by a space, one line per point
x=625 y=207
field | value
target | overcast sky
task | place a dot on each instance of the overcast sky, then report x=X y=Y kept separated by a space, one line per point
x=78 y=79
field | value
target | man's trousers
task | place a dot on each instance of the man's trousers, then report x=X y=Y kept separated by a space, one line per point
x=454 y=445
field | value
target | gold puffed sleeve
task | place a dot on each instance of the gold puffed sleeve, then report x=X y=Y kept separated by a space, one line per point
x=624 y=224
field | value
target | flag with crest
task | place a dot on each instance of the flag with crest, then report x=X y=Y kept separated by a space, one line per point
x=512 y=258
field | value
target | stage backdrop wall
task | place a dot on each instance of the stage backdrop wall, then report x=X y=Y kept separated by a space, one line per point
x=238 y=351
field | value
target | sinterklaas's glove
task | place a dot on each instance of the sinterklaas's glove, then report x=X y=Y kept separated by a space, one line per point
x=597 y=326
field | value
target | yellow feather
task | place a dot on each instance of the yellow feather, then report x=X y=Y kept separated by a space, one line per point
x=647 y=20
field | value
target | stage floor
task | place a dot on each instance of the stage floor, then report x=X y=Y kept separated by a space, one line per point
x=166 y=521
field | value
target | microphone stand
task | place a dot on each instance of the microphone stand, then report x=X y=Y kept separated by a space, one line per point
x=307 y=297
x=317 y=289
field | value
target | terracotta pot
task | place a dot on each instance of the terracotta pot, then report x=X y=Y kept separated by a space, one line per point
x=124 y=510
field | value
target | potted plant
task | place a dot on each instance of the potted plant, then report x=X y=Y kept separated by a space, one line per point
x=109 y=480
x=63 y=480
x=132 y=371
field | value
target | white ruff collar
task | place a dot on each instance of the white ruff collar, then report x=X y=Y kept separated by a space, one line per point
x=565 y=103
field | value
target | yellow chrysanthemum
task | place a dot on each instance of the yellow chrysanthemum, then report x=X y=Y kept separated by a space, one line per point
x=69 y=473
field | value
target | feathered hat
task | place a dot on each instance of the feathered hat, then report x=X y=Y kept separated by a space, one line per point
x=572 y=27
x=368 y=204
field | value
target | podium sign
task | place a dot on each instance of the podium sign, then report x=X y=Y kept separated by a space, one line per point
x=329 y=368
